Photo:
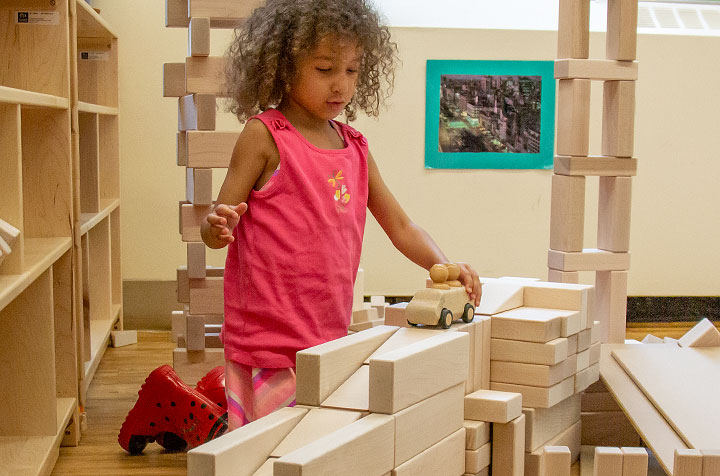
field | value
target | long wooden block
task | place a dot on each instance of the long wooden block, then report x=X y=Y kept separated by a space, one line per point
x=544 y=424
x=583 y=360
x=567 y=213
x=250 y=444
x=199 y=36
x=479 y=459
x=364 y=315
x=635 y=461
x=598 y=165
x=599 y=402
x=194 y=332
x=210 y=149
x=353 y=394
x=323 y=368
x=555 y=461
x=266 y=469
x=573 y=29
x=408 y=375
x=611 y=305
x=584 y=339
x=573 y=343
x=614 y=214
x=608 y=429
x=587 y=377
x=499 y=296
x=703 y=334
x=532 y=374
x=531 y=324
x=426 y=423
x=198 y=186
x=688 y=462
x=337 y=452
x=568 y=277
x=608 y=461
x=183 y=282
x=477 y=433
x=618 y=125
x=550 y=353
x=206 y=296
x=603 y=70
x=621 y=38
x=493 y=406
x=181 y=149
x=570 y=437
x=196 y=112
x=174 y=80
x=316 y=424
x=445 y=458
x=196 y=260
x=573 y=123
x=123 y=338
x=191 y=216
x=205 y=74
x=483 y=379
x=561 y=296
x=589 y=259
x=711 y=462
x=539 y=397
x=221 y=9
x=508 y=455
x=595 y=352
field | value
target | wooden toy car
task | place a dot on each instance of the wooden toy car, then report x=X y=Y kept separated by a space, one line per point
x=441 y=303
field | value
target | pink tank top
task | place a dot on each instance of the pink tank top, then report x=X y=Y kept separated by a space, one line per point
x=289 y=273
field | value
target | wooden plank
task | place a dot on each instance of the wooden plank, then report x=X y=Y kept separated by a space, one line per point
x=196 y=112
x=493 y=406
x=508 y=455
x=614 y=214
x=205 y=74
x=210 y=149
x=316 y=423
x=573 y=122
x=323 y=368
x=589 y=259
x=543 y=424
x=250 y=444
x=611 y=305
x=550 y=353
x=174 y=80
x=199 y=36
x=539 y=397
x=567 y=213
x=597 y=165
x=573 y=29
x=499 y=296
x=618 y=125
x=596 y=69
x=621 y=38
x=406 y=376
x=445 y=458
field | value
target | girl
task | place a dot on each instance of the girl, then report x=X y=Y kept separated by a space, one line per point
x=292 y=207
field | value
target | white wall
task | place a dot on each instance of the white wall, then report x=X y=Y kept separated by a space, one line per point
x=497 y=220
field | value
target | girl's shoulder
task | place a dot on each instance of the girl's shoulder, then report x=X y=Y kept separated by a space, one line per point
x=352 y=132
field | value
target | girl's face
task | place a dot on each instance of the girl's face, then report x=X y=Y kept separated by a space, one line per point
x=326 y=77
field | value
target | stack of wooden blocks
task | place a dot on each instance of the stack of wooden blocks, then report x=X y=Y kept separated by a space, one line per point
x=615 y=167
x=197 y=83
x=8 y=235
x=603 y=421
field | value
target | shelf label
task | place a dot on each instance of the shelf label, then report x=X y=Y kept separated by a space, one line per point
x=37 y=18
x=95 y=55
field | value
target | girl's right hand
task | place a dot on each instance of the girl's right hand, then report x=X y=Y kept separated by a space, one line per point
x=223 y=219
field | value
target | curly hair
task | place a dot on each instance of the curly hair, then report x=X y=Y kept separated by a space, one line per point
x=265 y=49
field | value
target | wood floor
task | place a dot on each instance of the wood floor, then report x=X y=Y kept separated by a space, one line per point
x=113 y=392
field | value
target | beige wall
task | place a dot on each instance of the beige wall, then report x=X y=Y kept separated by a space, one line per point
x=497 y=220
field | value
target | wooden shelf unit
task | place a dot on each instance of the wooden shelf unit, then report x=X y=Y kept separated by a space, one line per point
x=38 y=343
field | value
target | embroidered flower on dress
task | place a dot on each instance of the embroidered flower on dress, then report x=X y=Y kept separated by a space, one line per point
x=333 y=179
x=341 y=196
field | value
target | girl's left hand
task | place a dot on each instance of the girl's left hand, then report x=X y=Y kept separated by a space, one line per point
x=469 y=278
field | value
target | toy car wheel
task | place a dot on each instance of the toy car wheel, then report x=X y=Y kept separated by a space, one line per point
x=469 y=313
x=446 y=318
x=411 y=323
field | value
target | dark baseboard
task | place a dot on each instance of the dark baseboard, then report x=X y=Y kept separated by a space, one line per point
x=662 y=309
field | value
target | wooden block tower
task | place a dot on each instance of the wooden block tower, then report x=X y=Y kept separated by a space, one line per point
x=615 y=167
x=197 y=83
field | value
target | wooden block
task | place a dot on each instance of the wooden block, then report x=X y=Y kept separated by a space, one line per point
x=499 y=296
x=539 y=397
x=608 y=429
x=477 y=433
x=596 y=166
x=316 y=423
x=584 y=339
x=221 y=9
x=493 y=406
x=573 y=29
x=573 y=123
x=529 y=324
x=573 y=343
x=176 y=13
x=353 y=393
x=608 y=461
x=181 y=149
x=174 y=80
x=191 y=216
x=8 y=233
x=123 y=338
x=250 y=444
x=703 y=334
x=611 y=305
x=445 y=458
x=196 y=262
x=614 y=214
x=266 y=469
x=210 y=149
x=199 y=36
x=583 y=360
x=198 y=186
x=544 y=424
x=484 y=377
x=408 y=375
x=4 y=247
x=477 y=460
x=205 y=74
x=402 y=338
x=426 y=423
x=597 y=387
x=337 y=452
x=206 y=296
x=183 y=283
x=362 y=326
x=599 y=402
x=358 y=290
x=364 y=315
x=588 y=259
x=570 y=277
x=651 y=339
x=621 y=38
x=711 y=462
x=594 y=353
x=177 y=325
x=635 y=461
x=550 y=353
x=532 y=374
x=618 y=125
x=603 y=70
x=213 y=341
x=508 y=455
x=688 y=462
x=377 y=300
x=561 y=296
x=555 y=460
x=395 y=315
x=192 y=366
x=194 y=332
x=570 y=437
x=567 y=213
x=323 y=368
x=587 y=377
x=196 y=112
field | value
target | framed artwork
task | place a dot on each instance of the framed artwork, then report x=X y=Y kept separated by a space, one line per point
x=489 y=114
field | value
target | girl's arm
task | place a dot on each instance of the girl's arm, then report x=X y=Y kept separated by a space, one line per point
x=249 y=158
x=411 y=240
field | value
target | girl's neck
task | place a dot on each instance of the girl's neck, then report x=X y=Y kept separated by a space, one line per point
x=301 y=119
